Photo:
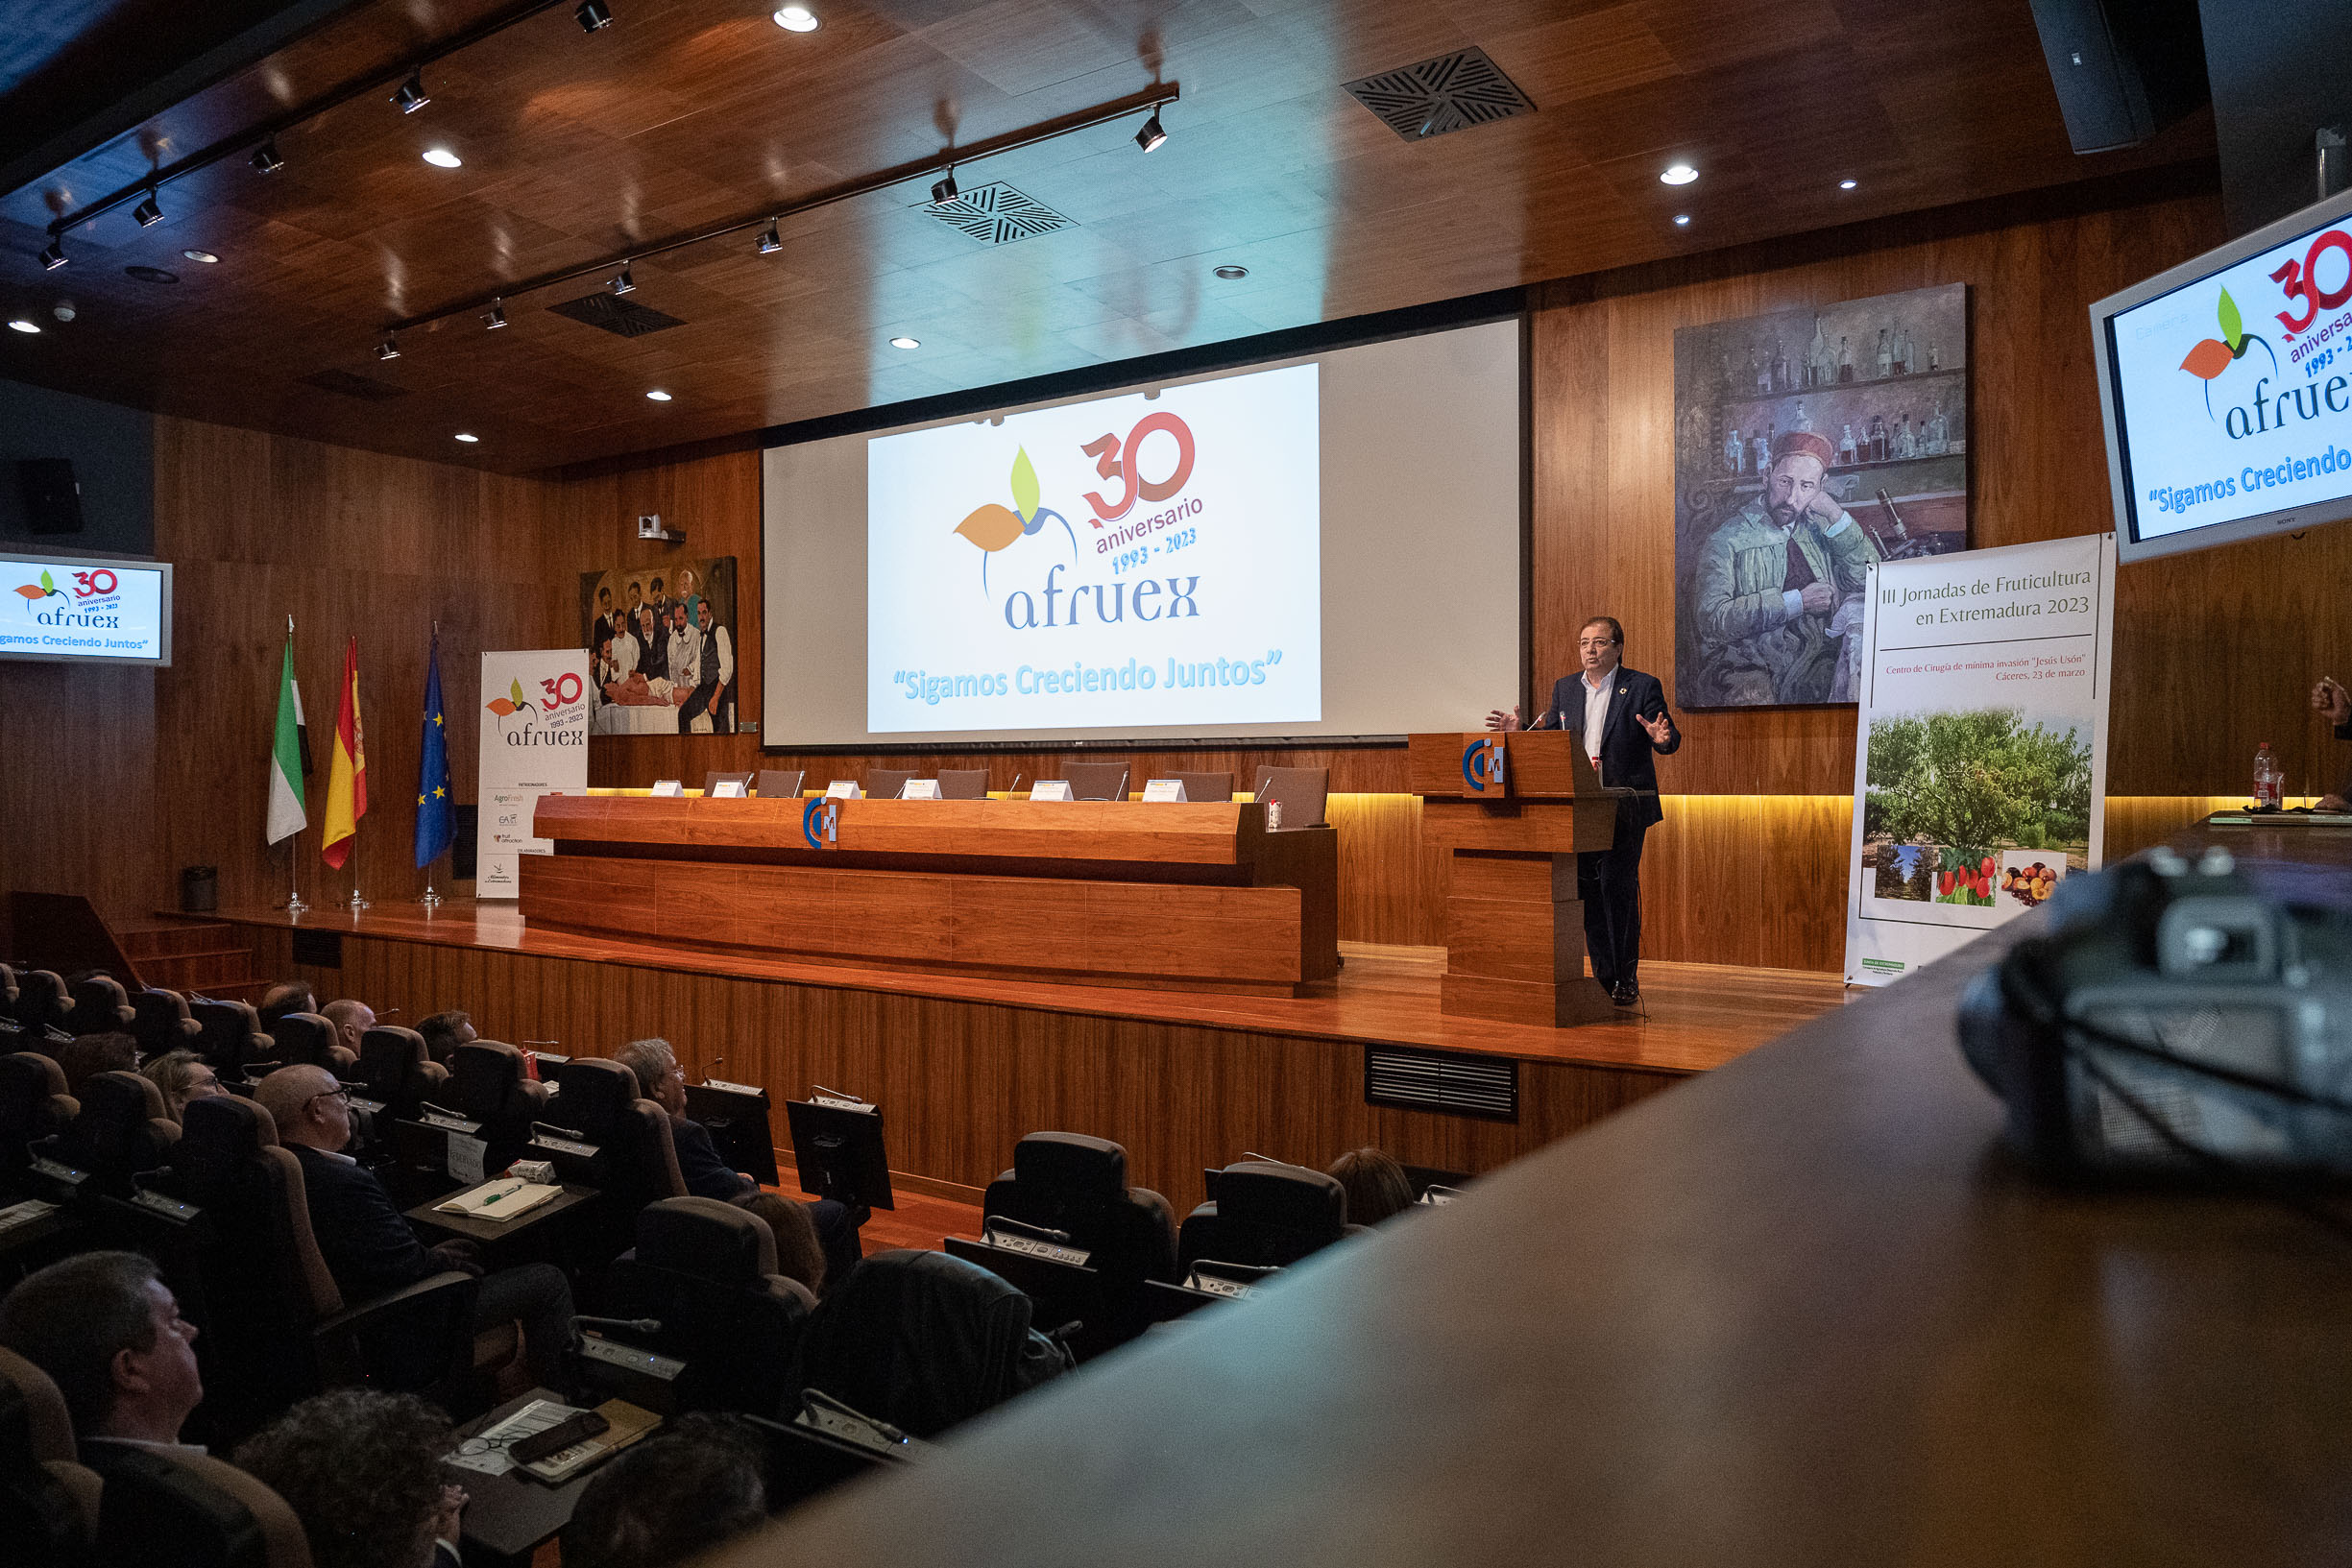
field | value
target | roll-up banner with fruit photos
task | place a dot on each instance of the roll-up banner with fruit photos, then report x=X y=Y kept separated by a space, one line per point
x=534 y=743
x=1980 y=762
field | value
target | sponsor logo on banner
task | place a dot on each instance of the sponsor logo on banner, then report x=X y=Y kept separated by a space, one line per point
x=94 y=600
x=534 y=743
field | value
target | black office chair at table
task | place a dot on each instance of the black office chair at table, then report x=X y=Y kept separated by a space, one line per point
x=884 y=783
x=48 y=1497
x=706 y=1272
x=101 y=1006
x=1096 y=781
x=161 y=1021
x=231 y=1038
x=963 y=784
x=779 y=784
x=1074 y=1186
x=489 y=1086
x=1264 y=1214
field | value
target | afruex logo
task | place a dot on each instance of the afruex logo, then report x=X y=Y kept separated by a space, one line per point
x=557 y=692
x=2212 y=357
x=995 y=528
x=95 y=597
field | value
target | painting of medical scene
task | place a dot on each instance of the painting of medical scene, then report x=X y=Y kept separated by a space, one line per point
x=661 y=647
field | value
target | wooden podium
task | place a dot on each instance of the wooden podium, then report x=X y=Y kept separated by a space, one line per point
x=1513 y=809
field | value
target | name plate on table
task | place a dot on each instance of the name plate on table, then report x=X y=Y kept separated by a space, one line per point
x=919 y=790
x=843 y=789
x=668 y=786
x=1032 y=1246
x=1164 y=789
x=1050 y=789
x=728 y=789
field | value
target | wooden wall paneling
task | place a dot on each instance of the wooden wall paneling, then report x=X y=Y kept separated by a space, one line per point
x=77 y=769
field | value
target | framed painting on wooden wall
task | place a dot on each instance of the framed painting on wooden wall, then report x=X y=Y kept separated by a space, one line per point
x=662 y=647
x=1807 y=444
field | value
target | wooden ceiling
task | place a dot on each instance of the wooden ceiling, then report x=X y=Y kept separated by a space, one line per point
x=689 y=112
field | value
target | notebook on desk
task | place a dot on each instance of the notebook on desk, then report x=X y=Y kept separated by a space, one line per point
x=499 y=1201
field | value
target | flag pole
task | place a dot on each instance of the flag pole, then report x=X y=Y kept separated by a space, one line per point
x=356 y=903
x=428 y=898
x=293 y=856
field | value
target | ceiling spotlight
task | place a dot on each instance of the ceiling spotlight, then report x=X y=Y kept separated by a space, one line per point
x=387 y=350
x=658 y=396
x=1681 y=220
x=592 y=16
x=410 y=95
x=1846 y=185
x=622 y=283
x=944 y=190
x=63 y=310
x=1678 y=174
x=148 y=213
x=20 y=325
x=905 y=343
x=770 y=242
x=467 y=438
x=204 y=256
x=1231 y=273
x=796 y=19
x=497 y=316
x=54 y=257
x=1153 y=133
x=266 y=159
x=441 y=158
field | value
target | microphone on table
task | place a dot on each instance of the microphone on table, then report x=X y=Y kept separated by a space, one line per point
x=1016 y=783
x=622 y=1325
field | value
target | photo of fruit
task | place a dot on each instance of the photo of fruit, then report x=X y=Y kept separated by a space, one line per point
x=1966 y=877
x=2027 y=875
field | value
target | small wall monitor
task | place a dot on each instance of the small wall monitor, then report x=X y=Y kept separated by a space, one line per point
x=2227 y=388
x=94 y=610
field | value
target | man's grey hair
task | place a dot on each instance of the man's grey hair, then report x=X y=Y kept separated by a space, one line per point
x=649 y=1060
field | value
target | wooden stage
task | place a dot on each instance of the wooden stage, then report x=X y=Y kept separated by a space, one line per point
x=963 y=1065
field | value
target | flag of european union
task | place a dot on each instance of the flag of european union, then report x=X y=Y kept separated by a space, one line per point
x=433 y=769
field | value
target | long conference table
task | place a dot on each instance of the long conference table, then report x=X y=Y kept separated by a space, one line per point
x=1198 y=896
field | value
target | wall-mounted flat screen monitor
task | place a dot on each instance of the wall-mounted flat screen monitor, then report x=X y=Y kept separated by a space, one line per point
x=2227 y=388
x=95 y=611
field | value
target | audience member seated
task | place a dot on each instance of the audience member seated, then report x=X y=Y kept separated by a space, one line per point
x=286 y=996
x=677 y=1494
x=1376 y=1185
x=799 y=1254
x=924 y=1341
x=445 y=1032
x=91 y=1054
x=661 y=1081
x=181 y=1075
x=353 y=1020
x=109 y=1335
x=363 y=1472
x=368 y=1248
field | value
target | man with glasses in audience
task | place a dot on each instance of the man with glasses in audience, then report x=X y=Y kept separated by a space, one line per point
x=368 y=1246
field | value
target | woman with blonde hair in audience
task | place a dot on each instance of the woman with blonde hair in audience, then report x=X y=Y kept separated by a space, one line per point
x=1376 y=1185
x=798 y=1254
x=181 y=1075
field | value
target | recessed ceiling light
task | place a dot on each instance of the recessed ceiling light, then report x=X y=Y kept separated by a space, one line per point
x=1681 y=220
x=467 y=438
x=1845 y=184
x=441 y=158
x=1678 y=174
x=905 y=343
x=204 y=256
x=658 y=396
x=151 y=274
x=20 y=325
x=796 y=19
x=1232 y=273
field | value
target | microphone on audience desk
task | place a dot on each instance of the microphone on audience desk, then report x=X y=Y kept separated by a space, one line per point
x=382 y=1013
x=621 y=1325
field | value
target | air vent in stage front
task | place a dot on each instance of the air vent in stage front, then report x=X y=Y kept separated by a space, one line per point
x=1449 y=93
x=348 y=385
x=997 y=214
x=1440 y=1081
x=624 y=318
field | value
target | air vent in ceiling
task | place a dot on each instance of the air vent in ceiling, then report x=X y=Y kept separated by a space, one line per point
x=1449 y=93
x=625 y=318
x=1438 y=1080
x=354 y=386
x=997 y=214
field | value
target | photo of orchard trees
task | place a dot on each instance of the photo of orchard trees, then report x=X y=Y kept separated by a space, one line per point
x=1975 y=807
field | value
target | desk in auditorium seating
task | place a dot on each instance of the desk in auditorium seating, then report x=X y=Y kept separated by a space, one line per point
x=1805 y=1311
x=1196 y=897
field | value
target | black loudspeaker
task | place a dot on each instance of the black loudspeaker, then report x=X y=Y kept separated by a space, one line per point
x=2125 y=69
x=465 y=821
x=52 y=495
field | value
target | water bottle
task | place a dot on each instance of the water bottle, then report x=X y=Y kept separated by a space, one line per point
x=2268 y=778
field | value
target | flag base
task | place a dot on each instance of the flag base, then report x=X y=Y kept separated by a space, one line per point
x=428 y=898
x=296 y=905
x=355 y=903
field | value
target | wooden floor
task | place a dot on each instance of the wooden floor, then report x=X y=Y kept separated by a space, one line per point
x=1695 y=1016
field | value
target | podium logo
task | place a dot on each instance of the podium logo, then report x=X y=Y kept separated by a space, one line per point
x=1482 y=765
x=996 y=528
x=820 y=822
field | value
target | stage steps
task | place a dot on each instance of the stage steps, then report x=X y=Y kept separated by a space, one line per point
x=184 y=953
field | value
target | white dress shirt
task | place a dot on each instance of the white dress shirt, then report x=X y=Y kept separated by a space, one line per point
x=726 y=656
x=685 y=657
x=1596 y=714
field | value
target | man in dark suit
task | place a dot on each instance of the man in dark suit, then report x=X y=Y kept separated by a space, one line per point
x=367 y=1245
x=1621 y=716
